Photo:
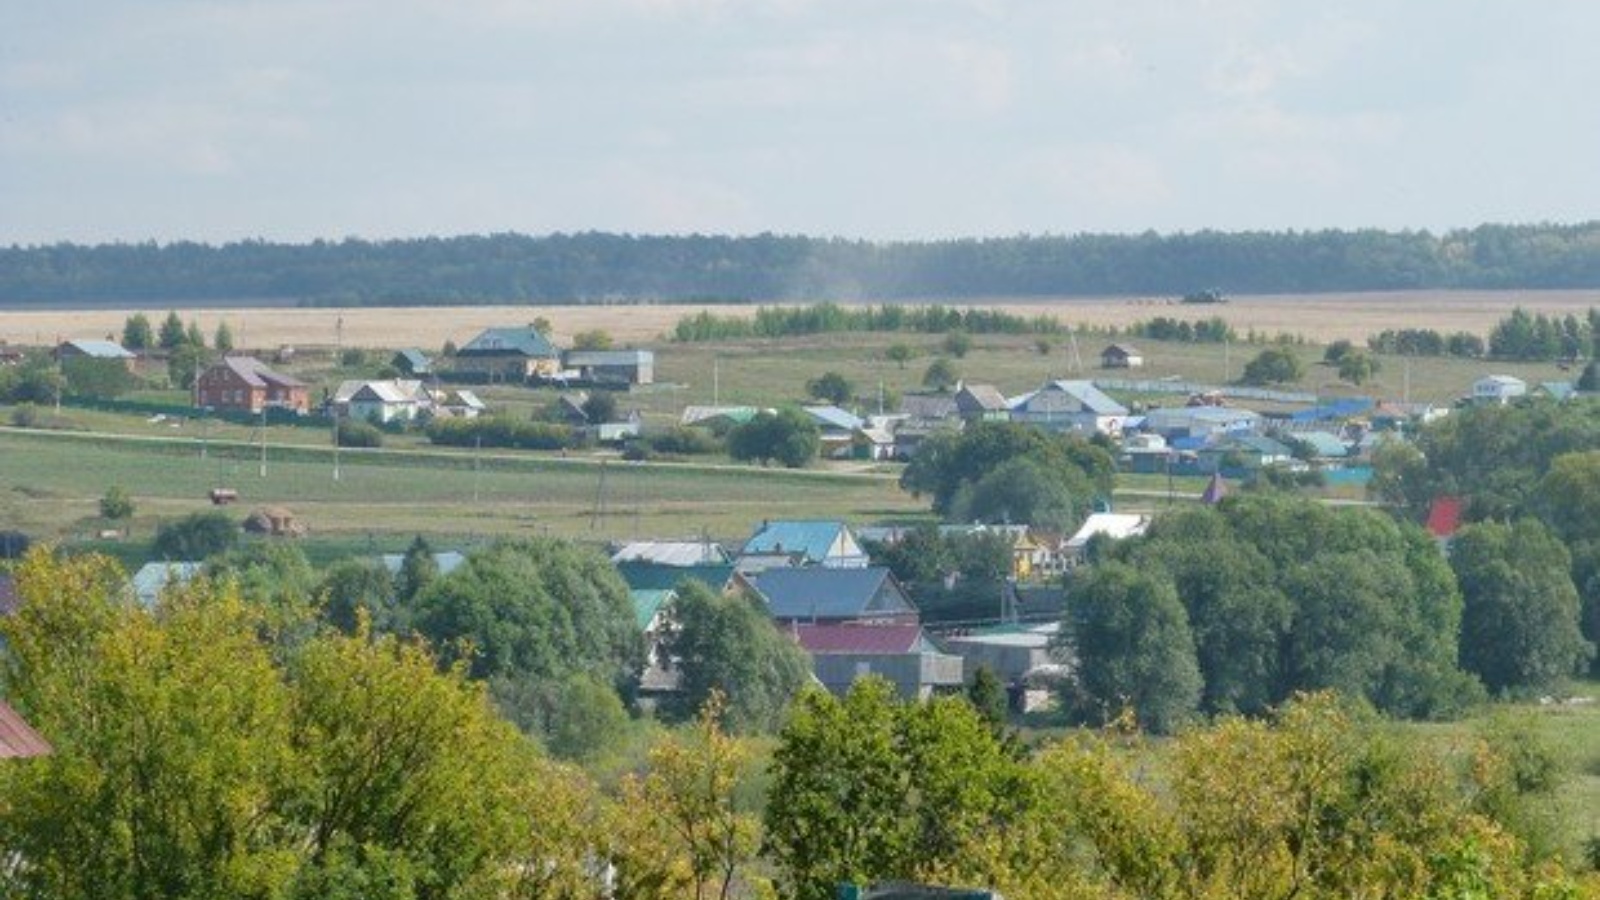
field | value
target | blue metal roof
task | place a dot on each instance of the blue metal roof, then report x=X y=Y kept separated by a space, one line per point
x=818 y=593
x=834 y=417
x=811 y=537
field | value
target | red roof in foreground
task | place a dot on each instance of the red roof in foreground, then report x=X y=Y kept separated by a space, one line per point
x=855 y=638
x=18 y=740
x=1444 y=517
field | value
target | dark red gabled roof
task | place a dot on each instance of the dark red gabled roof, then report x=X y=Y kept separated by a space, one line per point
x=18 y=740
x=1444 y=516
x=855 y=638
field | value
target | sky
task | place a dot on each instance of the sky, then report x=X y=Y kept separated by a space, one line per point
x=222 y=120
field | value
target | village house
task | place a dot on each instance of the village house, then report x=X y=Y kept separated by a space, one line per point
x=869 y=595
x=981 y=403
x=508 y=354
x=246 y=383
x=1070 y=406
x=805 y=542
x=97 y=350
x=1121 y=356
x=901 y=654
x=412 y=363
x=837 y=430
x=1498 y=389
x=1201 y=422
x=381 y=401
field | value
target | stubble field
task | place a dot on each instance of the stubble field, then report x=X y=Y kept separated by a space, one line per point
x=1317 y=317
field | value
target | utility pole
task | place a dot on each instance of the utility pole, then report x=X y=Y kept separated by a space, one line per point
x=477 y=451
x=335 y=420
x=263 y=440
x=716 y=379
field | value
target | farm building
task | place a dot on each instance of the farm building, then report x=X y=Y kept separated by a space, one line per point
x=616 y=367
x=246 y=383
x=1070 y=406
x=1121 y=356
x=509 y=354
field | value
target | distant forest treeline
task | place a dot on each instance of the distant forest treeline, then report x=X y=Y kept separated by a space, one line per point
x=598 y=267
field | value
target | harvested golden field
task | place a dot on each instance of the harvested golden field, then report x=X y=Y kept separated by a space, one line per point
x=1319 y=317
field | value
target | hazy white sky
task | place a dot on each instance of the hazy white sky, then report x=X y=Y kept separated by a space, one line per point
x=294 y=119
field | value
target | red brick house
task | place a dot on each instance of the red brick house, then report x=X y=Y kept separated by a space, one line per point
x=245 y=383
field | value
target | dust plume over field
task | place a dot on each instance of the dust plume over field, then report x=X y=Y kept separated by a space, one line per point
x=1320 y=317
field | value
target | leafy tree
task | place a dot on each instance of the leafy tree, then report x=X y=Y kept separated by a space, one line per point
x=1133 y=648
x=356 y=433
x=195 y=536
x=184 y=364
x=1519 y=626
x=99 y=378
x=170 y=734
x=13 y=544
x=866 y=788
x=1589 y=381
x=193 y=336
x=693 y=784
x=788 y=436
x=1274 y=365
x=899 y=354
x=941 y=375
x=600 y=407
x=116 y=504
x=832 y=387
x=957 y=344
x=725 y=647
x=1337 y=351
x=1022 y=491
x=37 y=380
x=357 y=593
x=1357 y=367
x=172 y=335
x=533 y=610
x=948 y=463
x=583 y=719
x=136 y=332
x=595 y=339
x=223 y=339
x=987 y=694
x=403 y=760
x=418 y=569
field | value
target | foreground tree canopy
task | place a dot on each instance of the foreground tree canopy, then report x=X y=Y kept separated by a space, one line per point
x=197 y=758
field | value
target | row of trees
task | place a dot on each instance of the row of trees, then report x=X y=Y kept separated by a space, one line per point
x=607 y=267
x=831 y=318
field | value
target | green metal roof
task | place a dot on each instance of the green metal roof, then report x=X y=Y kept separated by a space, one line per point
x=647 y=603
x=522 y=341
